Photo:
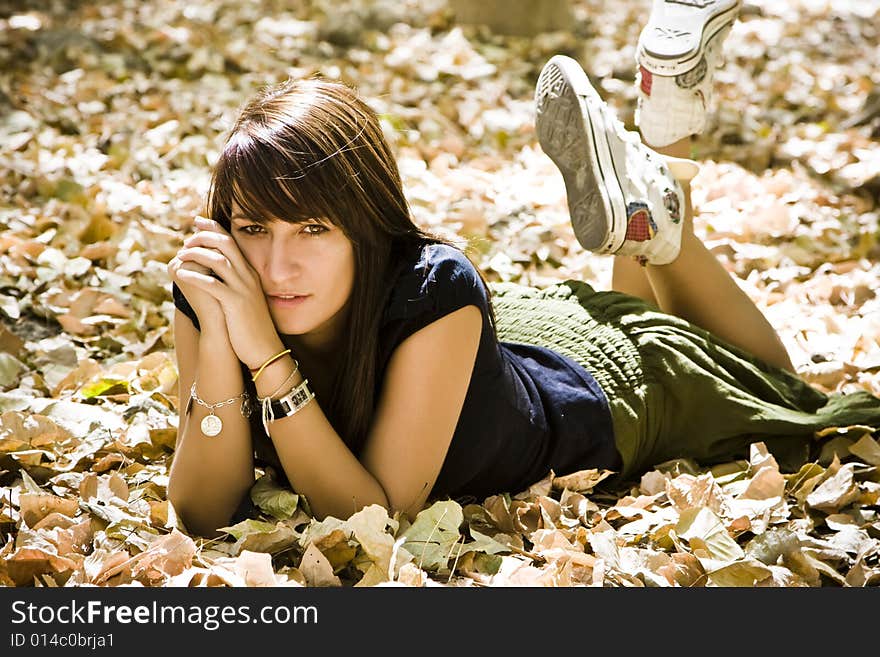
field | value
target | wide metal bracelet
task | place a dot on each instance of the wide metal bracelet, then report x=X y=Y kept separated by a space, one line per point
x=293 y=401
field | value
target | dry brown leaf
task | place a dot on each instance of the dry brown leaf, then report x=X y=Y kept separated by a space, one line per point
x=766 y=483
x=867 y=449
x=255 y=569
x=166 y=556
x=35 y=507
x=317 y=568
x=44 y=552
x=836 y=491
x=102 y=565
x=32 y=429
x=9 y=342
x=103 y=487
x=582 y=481
x=336 y=548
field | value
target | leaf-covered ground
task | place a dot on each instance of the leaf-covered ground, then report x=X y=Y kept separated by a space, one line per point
x=110 y=116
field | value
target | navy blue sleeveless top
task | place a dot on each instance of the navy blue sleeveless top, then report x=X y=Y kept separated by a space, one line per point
x=528 y=409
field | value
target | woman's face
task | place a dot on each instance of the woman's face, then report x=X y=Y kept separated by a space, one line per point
x=306 y=270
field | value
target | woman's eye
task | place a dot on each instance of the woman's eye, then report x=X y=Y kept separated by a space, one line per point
x=251 y=229
x=314 y=229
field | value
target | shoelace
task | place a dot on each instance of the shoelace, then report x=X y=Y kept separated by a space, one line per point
x=634 y=139
x=699 y=4
x=628 y=136
x=625 y=135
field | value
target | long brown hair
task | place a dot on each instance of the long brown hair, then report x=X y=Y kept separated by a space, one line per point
x=313 y=149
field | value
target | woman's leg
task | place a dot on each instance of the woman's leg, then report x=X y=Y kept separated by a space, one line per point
x=696 y=287
x=624 y=199
x=630 y=277
x=674 y=91
x=620 y=205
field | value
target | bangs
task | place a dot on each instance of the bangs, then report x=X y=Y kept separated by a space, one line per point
x=267 y=183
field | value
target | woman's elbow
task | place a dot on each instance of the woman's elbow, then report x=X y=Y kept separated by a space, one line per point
x=196 y=518
x=195 y=524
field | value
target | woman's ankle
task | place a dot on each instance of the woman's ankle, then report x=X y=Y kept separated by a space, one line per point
x=681 y=148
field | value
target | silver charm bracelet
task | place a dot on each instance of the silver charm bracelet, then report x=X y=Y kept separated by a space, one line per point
x=212 y=425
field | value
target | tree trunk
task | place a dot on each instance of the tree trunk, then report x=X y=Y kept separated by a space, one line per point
x=515 y=17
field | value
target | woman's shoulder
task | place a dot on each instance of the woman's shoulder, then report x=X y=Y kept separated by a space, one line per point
x=434 y=275
x=435 y=263
x=437 y=258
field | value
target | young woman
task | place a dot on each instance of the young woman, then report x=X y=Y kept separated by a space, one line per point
x=320 y=331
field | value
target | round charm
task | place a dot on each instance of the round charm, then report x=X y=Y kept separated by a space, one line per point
x=212 y=425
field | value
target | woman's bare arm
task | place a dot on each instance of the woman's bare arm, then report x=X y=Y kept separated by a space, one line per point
x=422 y=396
x=209 y=475
x=421 y=399
x=419 y=406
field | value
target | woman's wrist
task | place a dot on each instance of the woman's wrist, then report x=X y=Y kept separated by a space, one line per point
x=215 y=339
x=273 y=355
x=280 y=379
x=218 y=341
x=216 y=351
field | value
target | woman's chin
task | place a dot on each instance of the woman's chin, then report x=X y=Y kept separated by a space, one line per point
x=288 y=325
x=291 y=328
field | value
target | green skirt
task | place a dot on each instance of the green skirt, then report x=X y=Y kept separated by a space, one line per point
x=674 y=389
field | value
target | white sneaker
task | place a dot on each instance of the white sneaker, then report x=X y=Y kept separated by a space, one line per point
x=621 y=195
x=678 y=51
x=677 y=32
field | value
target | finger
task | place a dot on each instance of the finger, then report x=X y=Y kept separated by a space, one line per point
x=203 y=223
x=194 y=266
x=211 y=259
x=213 y=286
x=210 y=239
x=221 y=241
x=176 y=263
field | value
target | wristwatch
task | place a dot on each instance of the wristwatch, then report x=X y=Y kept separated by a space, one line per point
x=293 y=401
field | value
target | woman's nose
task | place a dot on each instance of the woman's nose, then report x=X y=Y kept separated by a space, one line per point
x=282 y=262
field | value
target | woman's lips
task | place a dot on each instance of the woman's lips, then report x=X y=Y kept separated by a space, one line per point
x=283 y=302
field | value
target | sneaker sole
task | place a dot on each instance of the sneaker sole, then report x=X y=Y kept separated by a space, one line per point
x=653 y=48
x=571 y=133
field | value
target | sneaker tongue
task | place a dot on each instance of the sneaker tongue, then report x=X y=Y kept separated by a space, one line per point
x=682 y=168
